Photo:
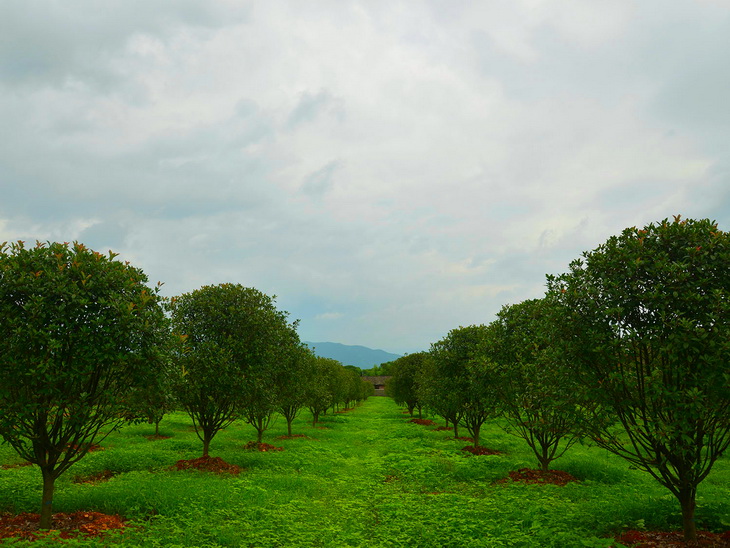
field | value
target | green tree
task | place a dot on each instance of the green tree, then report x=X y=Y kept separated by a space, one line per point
x=351 y=385
x=235 y=340
x=323 y=386
x=460 y=385
x=437 y=395
x=293 y=383
x=541 y=401
x=402 y=387
x=271 y=367
x=78 y=331
x=649 y=324
x=156 y=398
x=366 y=389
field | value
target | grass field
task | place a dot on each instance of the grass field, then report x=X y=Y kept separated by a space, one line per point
x=368 y=478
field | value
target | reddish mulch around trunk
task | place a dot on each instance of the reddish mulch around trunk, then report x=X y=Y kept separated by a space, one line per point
x=98 y=477
x=90 y=524
x=155 y=437
x=253 y=446
x=91 y=449
x=345 y=410
x=208 y=464
x=293 y=436
x=465 y=438
x=423 y=422
x=480 y=450
x=653 y=539
x=19 y=465
x=443 y=428
x=530 y=475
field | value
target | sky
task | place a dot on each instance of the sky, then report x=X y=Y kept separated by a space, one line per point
x=390 y=170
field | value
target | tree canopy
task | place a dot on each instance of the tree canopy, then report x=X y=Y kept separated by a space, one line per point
x=649 y=324
x=541 y=401
x=236 y=342
x=79 y=330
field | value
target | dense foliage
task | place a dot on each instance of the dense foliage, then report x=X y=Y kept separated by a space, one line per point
x=649 y=323
x=403 y=385
x=238 y=352
x=78 y=332
x=457 y=382
x=541 y=401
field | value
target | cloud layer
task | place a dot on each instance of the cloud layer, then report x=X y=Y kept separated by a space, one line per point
x=390 y=170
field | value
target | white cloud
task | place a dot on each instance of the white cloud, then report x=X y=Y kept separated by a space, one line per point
x=391 y=170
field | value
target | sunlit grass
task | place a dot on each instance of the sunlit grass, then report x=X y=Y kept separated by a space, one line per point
x=367 y=478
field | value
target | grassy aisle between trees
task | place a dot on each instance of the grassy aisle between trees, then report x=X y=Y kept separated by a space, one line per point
x=369 y=478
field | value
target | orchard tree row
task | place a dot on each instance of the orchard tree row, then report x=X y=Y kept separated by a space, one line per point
x=630 y=349
x=86 y=345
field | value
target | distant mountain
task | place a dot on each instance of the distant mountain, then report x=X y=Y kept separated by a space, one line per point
x=359 y=356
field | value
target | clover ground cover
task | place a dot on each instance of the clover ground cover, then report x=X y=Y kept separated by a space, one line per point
x=368 y=477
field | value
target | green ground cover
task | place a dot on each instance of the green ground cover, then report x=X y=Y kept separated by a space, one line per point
x=370 y=478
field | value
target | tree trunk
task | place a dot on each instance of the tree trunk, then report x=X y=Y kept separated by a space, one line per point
x=543 y=460
x=456 y=429
x=687 y=501
x=475 y=433
x=157 y=427
x=288 y=426
x=259 y=430
x=49 y=482
x=206 y=444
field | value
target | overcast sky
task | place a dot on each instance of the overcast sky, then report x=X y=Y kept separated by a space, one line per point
x=389 y=169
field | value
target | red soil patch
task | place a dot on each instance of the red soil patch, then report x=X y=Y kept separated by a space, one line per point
x=98 y=477
x=529 y=475
x=89 y=524
x=253 y=446
x=155 y=437
x=91 y=449
x=443 y=429
x=19 y=465
x=465 y=438
x=480 y=450
x=345 y=410
x=423 y=422
x=654 y=539
x=293 y=436
x=208 y=464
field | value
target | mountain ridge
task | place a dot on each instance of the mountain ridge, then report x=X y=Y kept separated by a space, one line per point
x=357 y=355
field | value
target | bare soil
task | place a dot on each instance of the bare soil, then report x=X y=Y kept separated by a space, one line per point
x=18 y=465
x=531 y=475
x=674 y=539
x=253 y=446
x=423 y=422
x=78 y=524
x=208 y=464
x=480 y=450
x=97 y=477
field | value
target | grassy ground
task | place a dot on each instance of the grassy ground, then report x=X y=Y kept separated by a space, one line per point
x=369 y=479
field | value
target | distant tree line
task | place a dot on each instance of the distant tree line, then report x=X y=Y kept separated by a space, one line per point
x=630 y=349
